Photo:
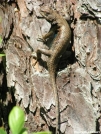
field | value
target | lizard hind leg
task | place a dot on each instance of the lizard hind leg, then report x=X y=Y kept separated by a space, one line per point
x=43 y=51
x=40 y=51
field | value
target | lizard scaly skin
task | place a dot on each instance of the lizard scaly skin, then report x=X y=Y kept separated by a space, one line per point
x=58 y=47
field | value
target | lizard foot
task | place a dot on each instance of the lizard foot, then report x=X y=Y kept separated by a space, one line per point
x=34 y=55
x=41 y=39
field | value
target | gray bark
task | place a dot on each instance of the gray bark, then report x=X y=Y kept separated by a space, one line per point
x=79 y=77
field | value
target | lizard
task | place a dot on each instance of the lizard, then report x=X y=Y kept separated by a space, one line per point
x=59 y=45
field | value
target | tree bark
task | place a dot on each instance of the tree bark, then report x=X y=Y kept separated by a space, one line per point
x=78 y=77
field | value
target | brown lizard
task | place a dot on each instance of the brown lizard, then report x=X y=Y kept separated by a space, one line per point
x=58 y=47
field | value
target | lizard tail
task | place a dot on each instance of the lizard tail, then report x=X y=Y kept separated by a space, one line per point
x=57 y=108
x=55 y=91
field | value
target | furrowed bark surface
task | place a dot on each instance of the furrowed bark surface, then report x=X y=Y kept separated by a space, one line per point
x=79 y=75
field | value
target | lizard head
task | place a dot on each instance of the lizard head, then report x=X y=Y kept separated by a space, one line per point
x=47 y=13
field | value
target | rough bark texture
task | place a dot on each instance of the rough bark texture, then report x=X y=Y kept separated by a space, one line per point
x=79 y=77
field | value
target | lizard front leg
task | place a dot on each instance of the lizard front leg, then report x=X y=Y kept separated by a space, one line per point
x=46 y=36
x=40 y=51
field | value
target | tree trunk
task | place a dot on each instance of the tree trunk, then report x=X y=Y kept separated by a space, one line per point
x=78 y=77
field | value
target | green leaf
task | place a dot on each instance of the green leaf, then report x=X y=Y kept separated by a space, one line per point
x=25 y=132
x=42 y=132
x=16 y=120
x=2 y=131
x=1 y=55
x=0 y=40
